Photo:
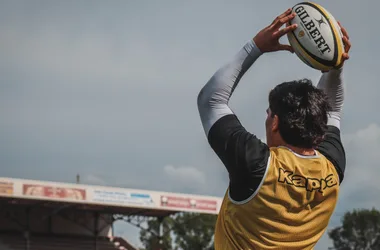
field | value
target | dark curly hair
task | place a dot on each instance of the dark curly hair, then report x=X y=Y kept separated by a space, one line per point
x=302 y=111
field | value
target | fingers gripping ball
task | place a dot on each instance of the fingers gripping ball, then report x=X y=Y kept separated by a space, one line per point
x=318 y=39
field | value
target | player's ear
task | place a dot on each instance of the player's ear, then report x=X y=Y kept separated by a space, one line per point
x=275 y=123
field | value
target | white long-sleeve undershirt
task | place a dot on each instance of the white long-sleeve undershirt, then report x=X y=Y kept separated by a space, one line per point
x=214 y=96
x=332 y=84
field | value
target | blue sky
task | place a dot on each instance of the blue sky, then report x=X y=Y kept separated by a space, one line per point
x=107 y=89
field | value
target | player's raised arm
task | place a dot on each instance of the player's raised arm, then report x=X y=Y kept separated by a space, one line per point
x=333 y=85
x=242 y=153
x=226 y=136
x=214 y=96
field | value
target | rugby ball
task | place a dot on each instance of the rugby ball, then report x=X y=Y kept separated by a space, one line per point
x=317 y=40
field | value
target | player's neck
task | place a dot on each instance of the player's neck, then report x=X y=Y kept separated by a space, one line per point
x=301 y=151
x=277 y=141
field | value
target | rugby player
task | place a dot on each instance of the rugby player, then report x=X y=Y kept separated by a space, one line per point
x=281 y=193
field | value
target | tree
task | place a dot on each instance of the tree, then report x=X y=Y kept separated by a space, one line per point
x=189 y=230
x=152 y=236
x=360 y=229
x=194 y=231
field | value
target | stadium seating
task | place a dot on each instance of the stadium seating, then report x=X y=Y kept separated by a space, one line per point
x=17 y=242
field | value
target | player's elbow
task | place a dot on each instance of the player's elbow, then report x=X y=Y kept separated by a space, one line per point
x=207 y=100
x=208 y=96
x=212 y=95
x=203 y=99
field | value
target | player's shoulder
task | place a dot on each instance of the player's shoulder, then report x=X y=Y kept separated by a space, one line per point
x=332 y=148
x=243 y=154
x=228 y=134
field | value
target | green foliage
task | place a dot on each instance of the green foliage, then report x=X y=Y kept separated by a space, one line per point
x=194 y=231
x=360 y=229
x=150 y=237
x=184 y=231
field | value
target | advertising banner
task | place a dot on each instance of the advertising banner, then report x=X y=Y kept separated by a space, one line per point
x=54 y=192
x=6 y=188
x=188 y=203
x=122 y=198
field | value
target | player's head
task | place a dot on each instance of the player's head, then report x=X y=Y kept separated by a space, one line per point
x=297 y=115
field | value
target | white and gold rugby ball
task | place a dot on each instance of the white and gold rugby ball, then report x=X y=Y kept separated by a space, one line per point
x=317 y=40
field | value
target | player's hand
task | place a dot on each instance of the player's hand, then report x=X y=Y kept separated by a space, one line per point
x=267 y=40
x=347 y=45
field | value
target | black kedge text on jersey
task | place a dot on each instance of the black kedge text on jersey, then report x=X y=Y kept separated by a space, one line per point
x=310 y=184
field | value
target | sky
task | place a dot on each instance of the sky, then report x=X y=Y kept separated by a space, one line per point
x=107 y=90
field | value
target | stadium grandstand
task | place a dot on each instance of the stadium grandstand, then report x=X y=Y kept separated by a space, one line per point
x=40 y=215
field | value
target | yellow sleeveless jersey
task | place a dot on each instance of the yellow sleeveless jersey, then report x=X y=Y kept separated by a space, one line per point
x=290 y=209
